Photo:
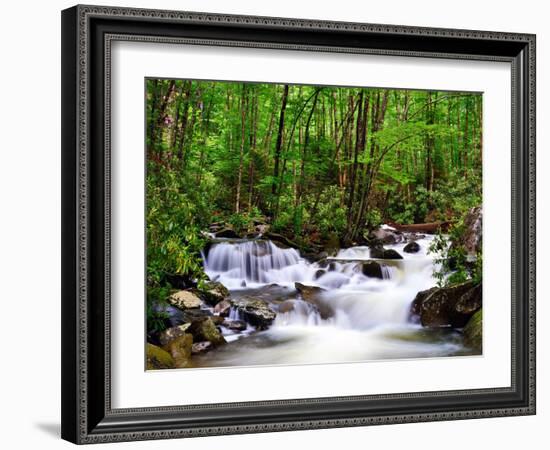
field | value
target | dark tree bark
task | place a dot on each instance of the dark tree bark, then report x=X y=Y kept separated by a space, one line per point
x=279 y=142
x=241 y=152
x=157 y=131
x=301 y=184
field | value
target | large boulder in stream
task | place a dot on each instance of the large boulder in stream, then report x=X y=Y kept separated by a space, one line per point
x=450 y=306
x=157 y=358
x=184 y=300
x=473 y=332
x=379 y=252
x=214 y=292
x=255 y=311
x=205 y=329
x=412 y=247
x=313 y=296
x=372 y=269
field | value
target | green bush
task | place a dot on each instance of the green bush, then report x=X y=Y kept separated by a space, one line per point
x=174 y=217
x=331 y=215
x=452 y=264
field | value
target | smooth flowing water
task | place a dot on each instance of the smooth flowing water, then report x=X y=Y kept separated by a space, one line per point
x=368 y=320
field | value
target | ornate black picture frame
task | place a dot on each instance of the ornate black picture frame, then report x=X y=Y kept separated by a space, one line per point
x=87 y=34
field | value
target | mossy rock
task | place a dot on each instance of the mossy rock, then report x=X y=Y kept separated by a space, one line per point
x=214 y=292
x=447 y=306
x=205 y=330
x=168 y=335
x=473 y=332
x=180 y=350
x=157 y=358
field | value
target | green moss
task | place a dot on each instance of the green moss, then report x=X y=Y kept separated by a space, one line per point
x=473 y=332
x=157 y=358
x=211 y=333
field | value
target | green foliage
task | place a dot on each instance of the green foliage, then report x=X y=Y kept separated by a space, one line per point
x=341 y=161
x=450 y=198
x=374 y=219
x=156 y=318
x=243 y=222
x=175 y=217
x=451 y=258
x=331 y=215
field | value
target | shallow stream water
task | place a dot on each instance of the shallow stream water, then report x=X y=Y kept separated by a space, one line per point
x=370 y=316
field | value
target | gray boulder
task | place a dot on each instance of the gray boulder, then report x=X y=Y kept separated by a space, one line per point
x=255 y=311
x=184 y=300
x=450 y=306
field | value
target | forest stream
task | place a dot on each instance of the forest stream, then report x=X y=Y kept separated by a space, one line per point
x=337 y=314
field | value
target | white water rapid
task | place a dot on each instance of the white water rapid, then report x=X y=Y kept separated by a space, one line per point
x=368 y=317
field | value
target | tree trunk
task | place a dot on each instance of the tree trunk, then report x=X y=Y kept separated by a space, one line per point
x=184 y=119
x=241 y=153
x=157 y=131
x=279 y=142
x=301 y=184
x=252 y=150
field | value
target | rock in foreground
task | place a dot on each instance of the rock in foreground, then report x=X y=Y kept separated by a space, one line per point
x=256 y=312
x=172 y=333
x=157 y=358
x=448 y=306
x=180 y=350
x=185 y=300
x=312 y=295
x=473 y=332
x=204 y=329
x=372 y=269
x=214 y=292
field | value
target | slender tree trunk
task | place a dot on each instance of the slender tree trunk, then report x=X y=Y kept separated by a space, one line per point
x=279 y=142
x=429 y=140
x=301 y=185
x=184 y=119
x=466 y=141
x=252 y=150
x=157 y=131
x=152 y=115
x=241 y=153
x=177 y=119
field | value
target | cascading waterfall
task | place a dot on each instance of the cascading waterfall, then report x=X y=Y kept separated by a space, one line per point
x=368 y=316
x=239 y=264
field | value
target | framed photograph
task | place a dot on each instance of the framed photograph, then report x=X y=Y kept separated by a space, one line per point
x=281 y=224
